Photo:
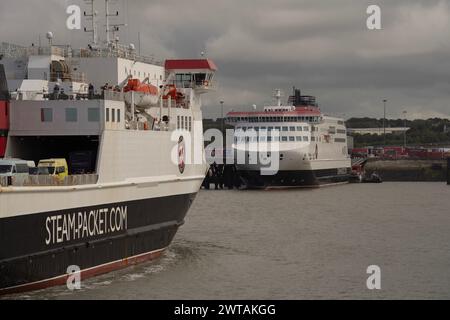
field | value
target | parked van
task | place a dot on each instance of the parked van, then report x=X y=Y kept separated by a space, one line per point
x=53 y=167
x=32 y=167
x=14 y=168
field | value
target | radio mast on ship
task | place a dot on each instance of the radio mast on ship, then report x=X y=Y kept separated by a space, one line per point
x=93 y=17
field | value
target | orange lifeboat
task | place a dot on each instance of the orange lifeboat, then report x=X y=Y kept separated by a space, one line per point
x=137 y=86
x=145 y=95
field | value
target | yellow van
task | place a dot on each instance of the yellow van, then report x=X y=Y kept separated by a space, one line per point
x=54 y=167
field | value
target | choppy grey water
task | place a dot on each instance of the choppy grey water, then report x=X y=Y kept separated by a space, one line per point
x=296 y=244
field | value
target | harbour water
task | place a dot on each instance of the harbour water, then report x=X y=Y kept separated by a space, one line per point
x=296 y=244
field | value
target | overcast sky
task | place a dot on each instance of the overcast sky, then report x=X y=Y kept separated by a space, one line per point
x=322 y=47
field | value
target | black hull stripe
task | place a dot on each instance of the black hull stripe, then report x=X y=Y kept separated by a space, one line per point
x=300 y=178
x=26 y=258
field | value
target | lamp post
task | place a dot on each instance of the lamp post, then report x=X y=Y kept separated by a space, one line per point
x=404 y=128
x=384 y=121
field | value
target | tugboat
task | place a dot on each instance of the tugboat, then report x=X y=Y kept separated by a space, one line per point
x=129 y=183
x=311 y=148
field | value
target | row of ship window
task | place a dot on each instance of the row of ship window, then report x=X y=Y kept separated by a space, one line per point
x=332 y=130
x=282 y=139
x=93 y=114
x=111 y=115
x=283 y=129
x=138 y=74
x=184 y=123
x=274 y=119
x=270 y=139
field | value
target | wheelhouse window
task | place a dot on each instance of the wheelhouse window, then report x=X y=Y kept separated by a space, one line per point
x=118 y=115
x=107 y=114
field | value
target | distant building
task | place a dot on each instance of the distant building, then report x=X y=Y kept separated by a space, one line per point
x=377 y=131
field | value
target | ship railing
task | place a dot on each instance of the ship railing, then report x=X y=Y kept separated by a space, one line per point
x=139 y=125
x=113 y=95
x=199 y=84
x=73 y=76
x=184 y=104
x=120 y=52
x=43 y=95
x=9 y=50
x=48 y=181
x=105 y=95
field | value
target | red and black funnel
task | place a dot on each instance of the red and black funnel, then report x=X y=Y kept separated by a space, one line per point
x=4 y=111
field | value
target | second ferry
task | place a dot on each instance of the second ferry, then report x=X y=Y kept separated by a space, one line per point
x=311 y=148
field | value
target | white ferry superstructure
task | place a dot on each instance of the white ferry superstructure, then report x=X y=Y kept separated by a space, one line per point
x=312 y=147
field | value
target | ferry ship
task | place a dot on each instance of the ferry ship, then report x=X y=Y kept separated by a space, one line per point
x=123 y=122
x=294 y=145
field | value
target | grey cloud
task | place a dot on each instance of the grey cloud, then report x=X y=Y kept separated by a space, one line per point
x=320 y=46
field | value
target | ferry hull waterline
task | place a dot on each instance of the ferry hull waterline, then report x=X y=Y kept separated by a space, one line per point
x=100 y=168
x=294 y=179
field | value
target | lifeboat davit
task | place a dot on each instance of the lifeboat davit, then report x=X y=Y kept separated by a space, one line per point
x=175 y=95
x=145 y=95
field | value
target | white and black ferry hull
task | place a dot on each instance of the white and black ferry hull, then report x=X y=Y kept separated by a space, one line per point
x=295 y=178
x=294 y=170
x=37 y=249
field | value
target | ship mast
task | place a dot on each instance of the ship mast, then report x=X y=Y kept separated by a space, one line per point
x=111 y=27
x=278 y=97
x=93 y=16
